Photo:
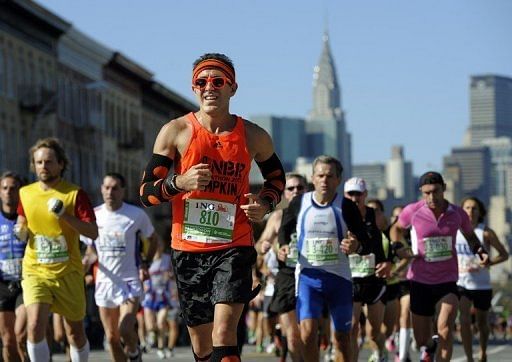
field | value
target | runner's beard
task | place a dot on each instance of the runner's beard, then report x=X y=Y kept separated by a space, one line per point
x=48 y=178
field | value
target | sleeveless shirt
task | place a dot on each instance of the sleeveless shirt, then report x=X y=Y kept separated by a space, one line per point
x=211 y=219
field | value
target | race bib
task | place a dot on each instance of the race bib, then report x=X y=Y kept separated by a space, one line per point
x=11 y=269
x=51 y=249
x=208 y=221
x=112 y=243
x=438 y=248
x=362 y=265
x=322 y=251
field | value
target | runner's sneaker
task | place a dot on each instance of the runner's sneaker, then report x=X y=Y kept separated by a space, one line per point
x=390 y=344
x=144 y=347
x=271 y=348
x=168 y=353
x=425 y=356
x=324 y=342
x=161 y=354
x=330 y=354
x=378 y=357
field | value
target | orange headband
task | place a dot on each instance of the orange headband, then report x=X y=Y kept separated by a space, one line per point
x=213 y=63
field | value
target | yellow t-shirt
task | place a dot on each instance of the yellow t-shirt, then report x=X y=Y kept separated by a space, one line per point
x=53 y=247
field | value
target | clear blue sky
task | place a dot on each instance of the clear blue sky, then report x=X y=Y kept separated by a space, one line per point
x=403 y=66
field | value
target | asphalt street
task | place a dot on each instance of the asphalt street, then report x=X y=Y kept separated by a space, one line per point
x=499 y=352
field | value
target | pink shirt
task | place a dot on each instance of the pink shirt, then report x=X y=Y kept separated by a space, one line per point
x=430 y=237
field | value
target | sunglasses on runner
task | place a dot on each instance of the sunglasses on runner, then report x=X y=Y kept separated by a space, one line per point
x=355 y=193
x=298 y=187
x=217 y=82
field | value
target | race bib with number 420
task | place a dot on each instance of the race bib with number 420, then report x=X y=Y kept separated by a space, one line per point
x=322 y=251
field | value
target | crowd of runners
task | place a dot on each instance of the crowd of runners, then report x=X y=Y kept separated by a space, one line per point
x=329 y=271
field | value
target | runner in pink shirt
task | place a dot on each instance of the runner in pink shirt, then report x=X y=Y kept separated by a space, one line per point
x=434 y=272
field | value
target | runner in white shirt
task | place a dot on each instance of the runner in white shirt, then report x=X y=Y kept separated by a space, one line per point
x=475 y=281
x=118 y=286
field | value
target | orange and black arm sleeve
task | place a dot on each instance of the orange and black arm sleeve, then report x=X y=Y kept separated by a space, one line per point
x=273 y=173
x=158 y=185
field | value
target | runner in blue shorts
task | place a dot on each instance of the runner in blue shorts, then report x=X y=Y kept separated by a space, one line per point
x=324 y=218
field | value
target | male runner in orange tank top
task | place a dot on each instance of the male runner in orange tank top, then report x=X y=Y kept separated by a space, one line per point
x=210 y=152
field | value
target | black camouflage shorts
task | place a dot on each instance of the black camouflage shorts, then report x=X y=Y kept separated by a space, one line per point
x=205 y=279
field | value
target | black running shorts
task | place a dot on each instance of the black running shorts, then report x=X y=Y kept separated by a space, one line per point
x=424 y=297
x=284 y=299
x=481 y=298
x=11 y=296
x=368 y=293
x=205 y=279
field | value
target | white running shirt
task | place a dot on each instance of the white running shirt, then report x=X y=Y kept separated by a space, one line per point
x=116 y=246
x=320 y=230
x=471 y=275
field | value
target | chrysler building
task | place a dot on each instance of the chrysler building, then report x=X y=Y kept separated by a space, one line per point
x=325 y=126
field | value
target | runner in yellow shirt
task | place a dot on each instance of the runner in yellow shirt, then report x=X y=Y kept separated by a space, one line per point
x=54 y=212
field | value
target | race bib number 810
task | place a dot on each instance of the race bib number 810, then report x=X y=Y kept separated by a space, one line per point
x=208 y=221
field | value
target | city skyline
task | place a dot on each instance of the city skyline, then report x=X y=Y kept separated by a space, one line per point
x=400 y=65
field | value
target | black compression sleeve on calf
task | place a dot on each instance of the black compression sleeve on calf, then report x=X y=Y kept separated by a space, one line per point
x=153 y=189
x=273 y=173
x=220 y=352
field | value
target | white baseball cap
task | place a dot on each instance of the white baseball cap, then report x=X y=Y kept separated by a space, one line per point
x=355 y=184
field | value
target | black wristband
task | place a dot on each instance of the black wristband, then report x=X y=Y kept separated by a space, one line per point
x=170 y=185
x=174 y=185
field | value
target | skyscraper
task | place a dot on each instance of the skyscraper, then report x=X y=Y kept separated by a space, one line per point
x=325 y=125
x=475 y=170
x=399 y=177
x=490 y=108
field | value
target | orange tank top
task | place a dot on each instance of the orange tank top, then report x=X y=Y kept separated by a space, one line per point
x=211 y=220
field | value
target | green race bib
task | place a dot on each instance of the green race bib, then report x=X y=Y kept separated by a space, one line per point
x=438 y=248
x=208 y=221
x=322 y=251
x=51 y=249
x=362 y=265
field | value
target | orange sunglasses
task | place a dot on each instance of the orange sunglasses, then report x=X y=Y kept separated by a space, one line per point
x=217 y=82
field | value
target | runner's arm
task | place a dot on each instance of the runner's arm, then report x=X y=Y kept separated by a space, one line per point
x=289 y=221
x=491 y=237
x=83 y=220
x=260 y=144
x=398 y=243
x=90 y=257
x=153 y=190
x=355 y=225
x=401 y=265
x=269 y=235
x=473 y=241
x=153 y=239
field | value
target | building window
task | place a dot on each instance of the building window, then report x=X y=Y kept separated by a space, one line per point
x=11 y=75
x=3 y=151
x=2 y=71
